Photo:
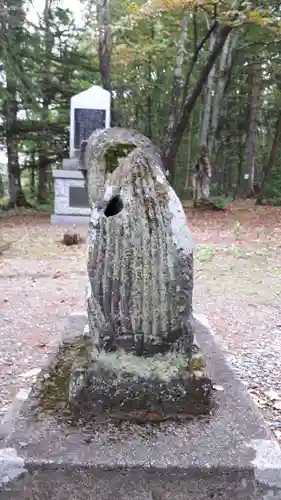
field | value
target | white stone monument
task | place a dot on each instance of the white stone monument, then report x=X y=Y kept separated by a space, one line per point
x=89 y=110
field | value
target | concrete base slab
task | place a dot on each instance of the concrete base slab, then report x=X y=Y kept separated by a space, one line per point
x=70 y=219
x=230 y=455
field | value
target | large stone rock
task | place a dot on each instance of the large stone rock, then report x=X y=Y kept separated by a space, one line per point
x=85 y=385
x=110 y=387
x=140 y=262
x=140 y=267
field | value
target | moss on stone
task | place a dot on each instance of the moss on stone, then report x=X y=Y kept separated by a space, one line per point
x=54 y=390
x=114 y=152
x=196 y=364
x=120 y=385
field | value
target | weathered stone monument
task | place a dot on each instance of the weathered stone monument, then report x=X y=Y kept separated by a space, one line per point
x=140 y=268
x=127 y=408
x=89 y=111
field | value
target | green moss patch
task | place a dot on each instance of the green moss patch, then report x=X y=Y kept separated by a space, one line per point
x=112 y=154
x=54 y=391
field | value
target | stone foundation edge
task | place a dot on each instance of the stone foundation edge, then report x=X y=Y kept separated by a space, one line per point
x=70 y=219
x=237 y=458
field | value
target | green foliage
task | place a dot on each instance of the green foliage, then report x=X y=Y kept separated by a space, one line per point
x=273 y=186
x=274 y=202
x=3 y=201
x=205 y=253
x=219 y=202
x=44 y=67
x=44 y=207
x=196 y=364
x=114 y=152
x=32 y=199
x=47 y=62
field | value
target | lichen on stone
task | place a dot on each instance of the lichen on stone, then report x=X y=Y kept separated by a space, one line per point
x=143 y=357
x=103 y=149
x=163 y=367
x=55 y=385
x=196 y=363
x=140 y=250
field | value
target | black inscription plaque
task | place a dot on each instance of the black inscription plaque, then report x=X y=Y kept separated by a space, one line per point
x=78 y=197
x=85 y=122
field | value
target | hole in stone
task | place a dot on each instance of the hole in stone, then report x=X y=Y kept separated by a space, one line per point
x=114 y=206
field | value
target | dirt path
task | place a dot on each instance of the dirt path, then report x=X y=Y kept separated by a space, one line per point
x=238 y=287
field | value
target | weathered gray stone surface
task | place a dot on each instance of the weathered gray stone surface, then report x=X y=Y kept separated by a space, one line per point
x=88 y=387
x=140 y=267
x=82 y=385
x=101 y=152
x=140 y=262
x=229 y=455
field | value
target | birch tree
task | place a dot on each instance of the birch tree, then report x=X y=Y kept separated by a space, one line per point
x=254 y=91
x=208 y=98
x=12 y=33
x=176 y=86
x=272 y=158
x=105 y=50
x=224 y=68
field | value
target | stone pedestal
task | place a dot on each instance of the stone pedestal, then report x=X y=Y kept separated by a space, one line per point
x=71 y=205
x=230 y=454
x=89 y=110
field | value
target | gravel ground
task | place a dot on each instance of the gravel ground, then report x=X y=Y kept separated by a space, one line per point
x=238 y=287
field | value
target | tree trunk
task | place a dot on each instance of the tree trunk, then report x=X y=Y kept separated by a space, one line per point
x=189 y=154
x=42 y=195
x=176 y=86
x=16 y=195
x=173 y=140
x=149 y=117
x=224 y=69
x=201 y=177
x=32 y=174
x=104 y=50
x=12 y=24
x=149 y=96
x=241 y=152
x=208 y=98
x=272 y=158
x=227 y=177
x=254 y=83
x=137 y=114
